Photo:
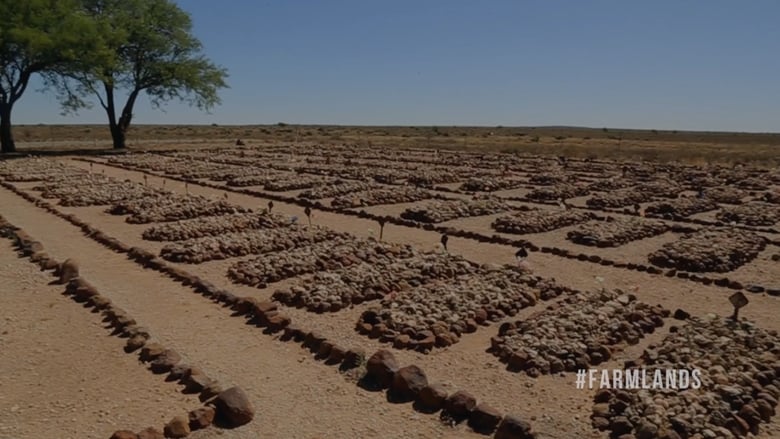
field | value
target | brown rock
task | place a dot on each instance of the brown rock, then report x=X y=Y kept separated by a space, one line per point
x=150 y=433
x=68 y=270
x=177 y=427
x=408 y=382
x=277 y=322
x=234 y=407
x=337 y=354
x=179 y=371
x=381 y=367
x=124 y=434
x=460 y=404
x=432 y=397
x=401 y=341
x=512 y=427
x=100 y=302
x=484 y=418
x=165 y=361
x=353 y=358
x=134 y=343
x=49 y=264
x=213 y=389
x=151 y=351
x=201 y=418
x=197 y=380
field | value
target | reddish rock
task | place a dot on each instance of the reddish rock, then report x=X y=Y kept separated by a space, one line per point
x=179 y=371
x=49 y=264
x=401 y=341
x=277 y=322
x=68 y=270
x=165 y=361
x=151 y=433
x=134 y=343
x=177 y=427
x=460 y=404
x=381 y=367
x=211 y=390
x=100 y=302
x=408 y=382
x=353 y=358
x=124 y=434
x=151 y=351
x=201 y=418
x=484 y=418
x=512 y=427
x=234 y=407
x=337 y=354
x=432 y=397
x=196 y=380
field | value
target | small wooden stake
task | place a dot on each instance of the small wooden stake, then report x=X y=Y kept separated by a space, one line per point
x=739 y=301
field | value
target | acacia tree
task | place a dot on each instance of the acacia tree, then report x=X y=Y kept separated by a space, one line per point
x=35 y=36
x=146 y=46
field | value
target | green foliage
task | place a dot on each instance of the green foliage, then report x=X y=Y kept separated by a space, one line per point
x=142 y=46
x=35 y=36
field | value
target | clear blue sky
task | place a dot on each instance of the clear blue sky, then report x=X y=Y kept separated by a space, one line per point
x=666 y=64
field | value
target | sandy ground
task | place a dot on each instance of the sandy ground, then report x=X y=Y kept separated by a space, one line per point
x=62 y=375
x=284 y=379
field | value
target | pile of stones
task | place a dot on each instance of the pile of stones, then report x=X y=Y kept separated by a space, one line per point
x=737 y=387
x=439 y=211
x=213 y=226
x=401 y=194
x=429 y=178
x=751 y=214
x=559 y=191
x=549 y=179
x=490 y=184
x=771 y=197
x=295 y=182
x=164 y=208
x=609 y=184
x=538 y=221
x=681 y=207
x=256 y=180
x=331 y=255
x=580 y=331
x=34 y=169
x=437 y=314
x=337 y=289
x=195 y=251
x=716 y=250
x=660 y=188
x=725 y=194
x=619 y=198
x=615 y=231
x=94 y=190
x=338 y=188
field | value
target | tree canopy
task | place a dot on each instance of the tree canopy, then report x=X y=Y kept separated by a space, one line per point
x=146 y=46
x=36 y=35
x=109 y=51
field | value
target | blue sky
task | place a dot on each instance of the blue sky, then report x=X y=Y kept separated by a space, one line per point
x=698 y=65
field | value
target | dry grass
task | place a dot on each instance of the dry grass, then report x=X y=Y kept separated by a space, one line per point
x=685 y=146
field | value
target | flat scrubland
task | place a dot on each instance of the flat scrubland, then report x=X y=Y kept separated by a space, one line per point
x=449 y=284
x=657 y=145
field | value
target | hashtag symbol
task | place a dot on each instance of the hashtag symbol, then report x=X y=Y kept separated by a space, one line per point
x=581 y=374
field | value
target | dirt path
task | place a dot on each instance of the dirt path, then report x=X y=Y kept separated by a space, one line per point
x=44 y=338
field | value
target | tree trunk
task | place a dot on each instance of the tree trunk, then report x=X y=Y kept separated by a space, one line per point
x=118 y=135
x=123 y=124
x=6 y=136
